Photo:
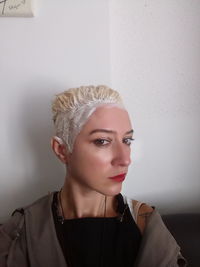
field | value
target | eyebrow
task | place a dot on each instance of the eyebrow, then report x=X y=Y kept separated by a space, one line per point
x=108 y=131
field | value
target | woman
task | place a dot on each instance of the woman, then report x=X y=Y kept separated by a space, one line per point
x=88 y=222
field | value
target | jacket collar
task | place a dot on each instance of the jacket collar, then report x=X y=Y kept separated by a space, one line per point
x=158 y=247
x=41 y=234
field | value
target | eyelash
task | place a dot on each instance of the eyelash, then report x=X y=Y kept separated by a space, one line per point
x=99 y=141
x=130 y=139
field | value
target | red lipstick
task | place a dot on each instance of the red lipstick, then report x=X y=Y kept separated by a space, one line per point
x=119 y=178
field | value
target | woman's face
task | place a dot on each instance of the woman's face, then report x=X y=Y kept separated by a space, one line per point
x=101 y=151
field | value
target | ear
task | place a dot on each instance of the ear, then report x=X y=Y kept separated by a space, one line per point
x=59 y=148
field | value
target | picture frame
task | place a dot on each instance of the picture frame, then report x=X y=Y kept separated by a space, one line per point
x=16 y=8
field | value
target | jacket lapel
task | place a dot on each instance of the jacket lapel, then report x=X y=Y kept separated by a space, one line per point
x=158 y=247
x=43 y=246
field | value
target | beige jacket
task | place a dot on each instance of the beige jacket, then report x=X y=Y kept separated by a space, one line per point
x=29 y=239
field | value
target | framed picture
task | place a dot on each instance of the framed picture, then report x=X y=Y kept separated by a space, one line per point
x=16 y=8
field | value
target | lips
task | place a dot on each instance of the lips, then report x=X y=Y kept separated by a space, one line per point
x=119 y=178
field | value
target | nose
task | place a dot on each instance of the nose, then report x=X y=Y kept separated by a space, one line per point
x=121 y=155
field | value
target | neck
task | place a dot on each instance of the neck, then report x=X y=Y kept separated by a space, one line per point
x=79 y=202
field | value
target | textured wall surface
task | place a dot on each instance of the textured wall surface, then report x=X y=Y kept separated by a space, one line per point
x=65 y=45
x=155 y=61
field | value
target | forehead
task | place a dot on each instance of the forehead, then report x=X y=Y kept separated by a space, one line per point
x=109 y=117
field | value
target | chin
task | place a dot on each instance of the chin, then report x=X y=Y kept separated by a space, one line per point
x=112 y=190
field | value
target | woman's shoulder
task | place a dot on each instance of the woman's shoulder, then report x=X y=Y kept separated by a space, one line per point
x=143 y=214
x=41 y=204
x=140 y=211
x=18 y=214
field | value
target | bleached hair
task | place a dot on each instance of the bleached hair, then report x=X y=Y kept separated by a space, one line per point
x=72 y=108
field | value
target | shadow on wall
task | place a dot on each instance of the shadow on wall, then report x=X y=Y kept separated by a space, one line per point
x=38 y=130
x=37 y=170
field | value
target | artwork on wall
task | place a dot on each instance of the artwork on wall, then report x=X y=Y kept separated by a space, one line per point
x=16 y=8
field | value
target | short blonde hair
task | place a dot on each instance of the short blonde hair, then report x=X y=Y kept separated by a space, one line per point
x=72 y=108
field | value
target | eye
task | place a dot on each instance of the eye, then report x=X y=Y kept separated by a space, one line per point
x=128 y=140
x=101 y=142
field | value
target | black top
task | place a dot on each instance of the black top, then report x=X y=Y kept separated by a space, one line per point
x=98 y=242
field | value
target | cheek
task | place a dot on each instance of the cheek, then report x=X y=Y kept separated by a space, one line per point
x=93 y=159
x=96 y=159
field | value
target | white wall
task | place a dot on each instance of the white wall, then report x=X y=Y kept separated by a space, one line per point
x=149 y=50
x=155 y=59
x=65 y=45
